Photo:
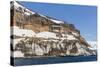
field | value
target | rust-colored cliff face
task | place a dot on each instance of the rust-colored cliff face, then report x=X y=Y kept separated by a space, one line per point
x=37 y=22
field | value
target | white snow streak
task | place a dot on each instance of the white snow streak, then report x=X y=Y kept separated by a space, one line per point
x=57 y=21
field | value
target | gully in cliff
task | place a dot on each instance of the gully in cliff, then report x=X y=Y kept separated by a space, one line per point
x=41 y=31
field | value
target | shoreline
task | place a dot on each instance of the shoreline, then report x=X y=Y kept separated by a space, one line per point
x=48 y=57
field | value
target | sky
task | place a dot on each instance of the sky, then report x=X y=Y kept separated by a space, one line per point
x=83 y=17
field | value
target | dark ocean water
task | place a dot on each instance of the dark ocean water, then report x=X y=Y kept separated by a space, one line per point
x=52 y=60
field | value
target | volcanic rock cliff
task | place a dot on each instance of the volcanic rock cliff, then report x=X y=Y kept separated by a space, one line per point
x=35 y=34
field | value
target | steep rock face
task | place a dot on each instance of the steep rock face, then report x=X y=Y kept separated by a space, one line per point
x=52 y=47
x=39 y=35
x=35 y=21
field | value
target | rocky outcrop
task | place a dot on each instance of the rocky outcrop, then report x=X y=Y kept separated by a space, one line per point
x=34 y=34
x=27 y=19
x=52 y=47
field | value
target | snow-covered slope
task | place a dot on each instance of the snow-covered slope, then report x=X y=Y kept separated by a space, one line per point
x=93 y=45
x=46 y=35
x=17 y=6
x=56 y=21
x=29 y=33
x=71 y=37
x=29 y=12
x=22 y=32
x=69 y=45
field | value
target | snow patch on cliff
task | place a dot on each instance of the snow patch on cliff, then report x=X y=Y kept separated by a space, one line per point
x=18 y=54
x=23 y=32
x=93 y=44
x=57 y=21
x=71 y=37
x=24 y=9
x=46 y=35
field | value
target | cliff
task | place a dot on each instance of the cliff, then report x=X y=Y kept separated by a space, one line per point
x=35 y=34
